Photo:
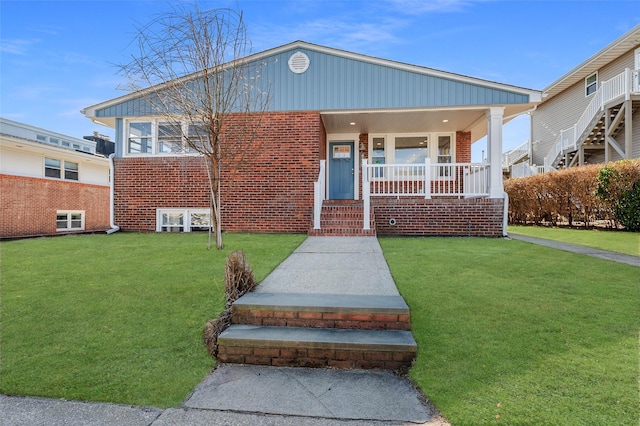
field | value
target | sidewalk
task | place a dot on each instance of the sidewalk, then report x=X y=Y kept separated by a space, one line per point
x=257 y=395
x=601 y=254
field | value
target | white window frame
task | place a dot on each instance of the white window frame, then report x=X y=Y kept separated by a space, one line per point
x=70 y=220
x=594 y=84
x=187 y=213
x=155 y=143
x=390 y=144
x=62 y=169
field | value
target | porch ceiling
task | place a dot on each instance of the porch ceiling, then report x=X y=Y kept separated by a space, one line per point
x=412 y=121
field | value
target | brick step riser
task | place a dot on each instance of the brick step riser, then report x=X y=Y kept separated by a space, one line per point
x=315 y=357
x=346 y=233
x=362 y=321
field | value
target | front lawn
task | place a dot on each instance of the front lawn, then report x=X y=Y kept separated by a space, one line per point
x=517 y=334
x=116 y=318
x=616 y=241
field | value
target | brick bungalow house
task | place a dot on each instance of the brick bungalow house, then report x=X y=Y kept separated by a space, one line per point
x=50 y=183
x=350 y=144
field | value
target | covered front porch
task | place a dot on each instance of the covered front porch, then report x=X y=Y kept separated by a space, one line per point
x=410 y=173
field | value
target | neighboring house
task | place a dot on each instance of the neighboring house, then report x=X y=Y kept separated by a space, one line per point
x=50 y=183
x=331 y=111
x=589 y=115
x=104 y=145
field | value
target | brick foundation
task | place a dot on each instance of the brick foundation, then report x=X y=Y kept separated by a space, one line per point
x=478 y=217
x=29 y=205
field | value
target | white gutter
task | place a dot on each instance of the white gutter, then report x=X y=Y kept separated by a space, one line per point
x=114 y=227
x=505 y=216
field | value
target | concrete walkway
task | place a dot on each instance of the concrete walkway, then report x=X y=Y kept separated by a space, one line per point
x=601 y=254
x=258 y=395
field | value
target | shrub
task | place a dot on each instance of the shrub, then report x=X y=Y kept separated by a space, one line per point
x=589 y=193
x=619 y=187
x=562 y=196
x=239 y=279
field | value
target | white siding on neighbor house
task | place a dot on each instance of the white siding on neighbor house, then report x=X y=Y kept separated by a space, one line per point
x=565 y=109
x=28 y=161
x=551 y=117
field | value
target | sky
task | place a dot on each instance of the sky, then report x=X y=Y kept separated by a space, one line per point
x=58 y=57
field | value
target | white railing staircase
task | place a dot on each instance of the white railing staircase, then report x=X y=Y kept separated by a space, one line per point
x=590 y=125
x=515 y=156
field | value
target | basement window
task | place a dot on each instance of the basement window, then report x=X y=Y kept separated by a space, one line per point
x=69 y=221
x=182 y=220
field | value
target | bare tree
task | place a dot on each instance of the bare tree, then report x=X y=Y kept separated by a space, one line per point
x=190 y=69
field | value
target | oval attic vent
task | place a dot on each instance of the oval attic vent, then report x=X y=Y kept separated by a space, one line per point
x=298 y=62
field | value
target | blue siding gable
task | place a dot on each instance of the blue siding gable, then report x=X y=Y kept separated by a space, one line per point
x=353 y=82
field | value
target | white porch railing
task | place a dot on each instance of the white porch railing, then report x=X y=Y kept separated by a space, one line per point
x=524 y=169
x=511 y=157
x=319 y=195
x=426 y=179
x=617 y=88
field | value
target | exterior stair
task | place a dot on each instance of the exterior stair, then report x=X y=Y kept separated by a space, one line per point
x=343 y=218
x=319 y=330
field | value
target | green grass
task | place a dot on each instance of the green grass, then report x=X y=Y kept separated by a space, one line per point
x=116 y=318
x=617 y=241
x=533 y=335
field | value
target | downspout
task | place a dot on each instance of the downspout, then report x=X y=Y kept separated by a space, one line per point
x=114 y=227
x=505 y=215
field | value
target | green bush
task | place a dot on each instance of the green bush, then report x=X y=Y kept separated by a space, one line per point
x=619 y=187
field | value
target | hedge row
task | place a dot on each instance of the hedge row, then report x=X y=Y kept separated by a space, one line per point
x=576 y=196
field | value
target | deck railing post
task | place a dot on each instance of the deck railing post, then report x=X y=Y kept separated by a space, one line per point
x=427 y=178
x=318 y=195
x=366 y=196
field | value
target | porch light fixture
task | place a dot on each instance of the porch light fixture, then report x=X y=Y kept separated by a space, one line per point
x=352 y=123
x=445 y=121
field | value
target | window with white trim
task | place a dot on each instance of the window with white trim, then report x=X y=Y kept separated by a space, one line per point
x=54 y=168
x=164 y=138
x=182 y=220
x=70 y=220
x=591 y=84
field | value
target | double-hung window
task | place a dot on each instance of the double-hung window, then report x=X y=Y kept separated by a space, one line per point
x=54 y=168
x=591 y=84
x=162 y=137
x=140 y=138
x=169 y=138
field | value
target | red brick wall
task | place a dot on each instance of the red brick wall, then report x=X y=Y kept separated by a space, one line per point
x=271 y=192
x=463 y=147
x=29 y=205
x=439 y=216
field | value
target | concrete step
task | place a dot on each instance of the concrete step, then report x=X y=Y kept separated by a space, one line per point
x=367 y=312
x=316 y=347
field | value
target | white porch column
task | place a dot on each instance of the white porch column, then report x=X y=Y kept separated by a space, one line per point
x=494 y=151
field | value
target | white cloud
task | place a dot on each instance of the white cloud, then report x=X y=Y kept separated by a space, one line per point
x=16 y=46
x=419 y=7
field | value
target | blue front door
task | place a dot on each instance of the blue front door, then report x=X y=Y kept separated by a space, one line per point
x=341 y=169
